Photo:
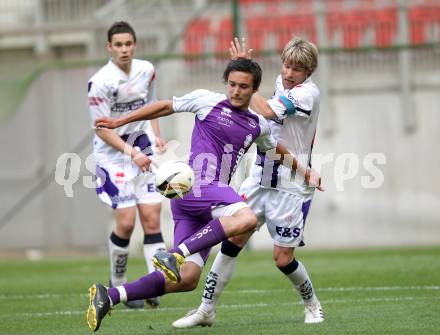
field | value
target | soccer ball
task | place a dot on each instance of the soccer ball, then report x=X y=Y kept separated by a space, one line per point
x=174 y=179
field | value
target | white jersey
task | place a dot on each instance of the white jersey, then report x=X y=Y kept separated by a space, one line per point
x=295 y=129
x=114 y=94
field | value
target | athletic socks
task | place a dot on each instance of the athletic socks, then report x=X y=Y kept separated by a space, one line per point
x=149 y=286
x=208 y=236
x=220 y=274
x=297 y=274
x=118 y=251
x=152 y=244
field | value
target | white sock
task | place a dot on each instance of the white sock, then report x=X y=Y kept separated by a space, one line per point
x=219 y=275
x=149 y=250
x=122 y=294
x=302 y=283
x=183 y=248
x=118 y=263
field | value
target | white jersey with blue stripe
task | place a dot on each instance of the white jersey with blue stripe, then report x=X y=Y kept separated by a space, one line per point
x=297 y=112
x=114 y=94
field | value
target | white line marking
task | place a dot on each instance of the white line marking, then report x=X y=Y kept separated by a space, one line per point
x=221 y=306
x=235 y=292
x=347 y=289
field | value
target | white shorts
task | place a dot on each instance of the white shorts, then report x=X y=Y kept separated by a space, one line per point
x=122 y=185
x=284 y=213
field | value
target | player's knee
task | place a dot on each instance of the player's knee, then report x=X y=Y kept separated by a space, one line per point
x=282 y=262
x=191 y=285
x=247 y=222
x=151 y=224
x=150 y=217
x=188 y=282
x=126 y=226
x=190 y=276
x=283 y=259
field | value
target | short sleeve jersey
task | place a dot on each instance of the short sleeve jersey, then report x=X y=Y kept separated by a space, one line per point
x=114 y=94
x=222 y=134
x=295 y=129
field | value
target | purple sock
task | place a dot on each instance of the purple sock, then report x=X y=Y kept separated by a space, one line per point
x=113 y=293
x=208 y=236
x=149 y=286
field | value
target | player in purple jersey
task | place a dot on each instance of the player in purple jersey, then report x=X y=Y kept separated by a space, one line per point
x=224 y=129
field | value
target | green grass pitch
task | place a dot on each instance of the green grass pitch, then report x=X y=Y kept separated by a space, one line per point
x=386 y=291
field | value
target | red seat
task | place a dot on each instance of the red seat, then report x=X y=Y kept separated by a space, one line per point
x=420 y=17
x=385 y=22
x=195 y=35
x=223 y=35
x=352 y=25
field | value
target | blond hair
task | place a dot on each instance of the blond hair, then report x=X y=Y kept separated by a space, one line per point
x=302 y=53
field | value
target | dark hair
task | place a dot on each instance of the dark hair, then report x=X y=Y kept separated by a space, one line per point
x=247 y=66
x=120 y=27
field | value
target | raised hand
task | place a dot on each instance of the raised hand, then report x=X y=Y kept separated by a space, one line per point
x=237 y=50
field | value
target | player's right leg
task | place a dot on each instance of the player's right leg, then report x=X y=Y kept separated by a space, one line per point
x=209 y=235
x=149 y=207
x=217 y=230
x=286 y=214
x=119 y=249
x=115 y=188
x=119 y=244
x=153 y=241
x=240 y=220
x=219 y=275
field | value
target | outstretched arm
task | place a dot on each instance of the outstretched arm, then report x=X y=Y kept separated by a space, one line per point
x=155 y=110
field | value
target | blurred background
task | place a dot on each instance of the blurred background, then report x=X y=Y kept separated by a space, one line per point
x=379 y=75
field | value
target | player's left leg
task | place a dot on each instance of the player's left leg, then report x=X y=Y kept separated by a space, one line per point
x=296 y=272
x=154 y=284
x=102 y=299
x=285 y=217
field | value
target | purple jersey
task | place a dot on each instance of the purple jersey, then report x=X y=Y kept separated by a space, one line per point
x=221 y=136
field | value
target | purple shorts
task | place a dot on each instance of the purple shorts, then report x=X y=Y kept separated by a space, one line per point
x=192 y=213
